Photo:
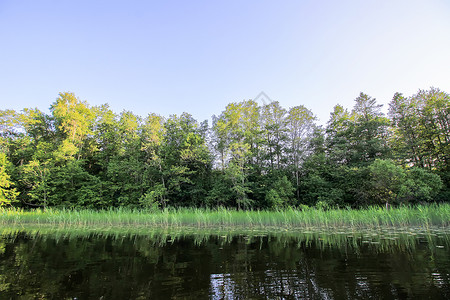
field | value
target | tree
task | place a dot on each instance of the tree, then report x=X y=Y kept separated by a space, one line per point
x=420 y=185
x=8 y=193
x=421 y=132
x=237 y=136
x=275 y=134
x=406 y=141
x=388 y=183
x=73 y=120
x=359 y=137
x=125 y=170
x=72 y=186
x=186 y=160
x=152 y=135
x=281 y=193
x=422 y=125
x=384 y=183
x=300 y=124
x=320 y=181
x=370 y=130
x=9 y=126
x=35 y=175
x=434 y=106
x=252 y=156
x=338 y=136
x=237 y=173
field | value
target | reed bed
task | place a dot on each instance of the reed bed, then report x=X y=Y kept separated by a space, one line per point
x=372 y=217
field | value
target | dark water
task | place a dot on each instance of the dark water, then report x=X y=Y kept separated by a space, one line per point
x=89 y=265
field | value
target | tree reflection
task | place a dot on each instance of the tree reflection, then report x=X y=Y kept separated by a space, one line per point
x=240 y=266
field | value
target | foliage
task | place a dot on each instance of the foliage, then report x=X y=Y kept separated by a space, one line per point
x=252 y=157
x=8 y=194
x=281 y=193
x=155 y=198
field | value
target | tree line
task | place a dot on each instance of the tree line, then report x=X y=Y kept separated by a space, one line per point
x=251 y=156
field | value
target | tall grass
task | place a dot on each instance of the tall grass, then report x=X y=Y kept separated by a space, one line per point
x=373 y=217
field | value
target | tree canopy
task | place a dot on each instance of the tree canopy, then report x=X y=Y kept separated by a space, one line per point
x=252 y=156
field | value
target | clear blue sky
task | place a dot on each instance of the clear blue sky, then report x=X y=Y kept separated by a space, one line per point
x=168 y=57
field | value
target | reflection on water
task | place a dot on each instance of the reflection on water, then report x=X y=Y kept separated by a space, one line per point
x=137 y=263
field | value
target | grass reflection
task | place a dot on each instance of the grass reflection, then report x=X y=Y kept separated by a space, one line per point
x=379 y=240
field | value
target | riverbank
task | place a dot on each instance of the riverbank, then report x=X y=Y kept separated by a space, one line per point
x=372 y=217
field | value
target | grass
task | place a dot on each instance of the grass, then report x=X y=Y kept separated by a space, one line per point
x=373 y=217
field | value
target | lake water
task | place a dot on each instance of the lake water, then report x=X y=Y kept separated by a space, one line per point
x=67 y=264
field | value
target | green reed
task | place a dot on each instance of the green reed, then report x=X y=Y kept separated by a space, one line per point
x=372 y=217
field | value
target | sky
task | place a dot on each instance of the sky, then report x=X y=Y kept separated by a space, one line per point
x=169 y=57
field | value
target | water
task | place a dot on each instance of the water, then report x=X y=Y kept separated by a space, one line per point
x=67 y=264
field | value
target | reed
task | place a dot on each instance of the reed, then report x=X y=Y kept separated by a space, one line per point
x=372 y=217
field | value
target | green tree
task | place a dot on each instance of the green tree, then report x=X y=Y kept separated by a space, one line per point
x=238 y=137
x=434 y=108
x=281 y=193
x=73 y=121
x=324 y=181
x=8 y=193
x=125 y=170
x=406 y=141
x=421 y=138
x=422 y=125
x=35 y=175
x=237 y=173
x=358 y=137
x=338 y=136
x=152 y=135
x=384 y=183
x=420 y=185
x=275 y=134
x=300 y=124
x=388 y=183
x=186 y=161
x=370 y=130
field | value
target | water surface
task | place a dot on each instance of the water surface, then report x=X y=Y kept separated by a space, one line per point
x=102 y=264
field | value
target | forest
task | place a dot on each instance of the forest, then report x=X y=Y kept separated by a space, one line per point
x=252 y=156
